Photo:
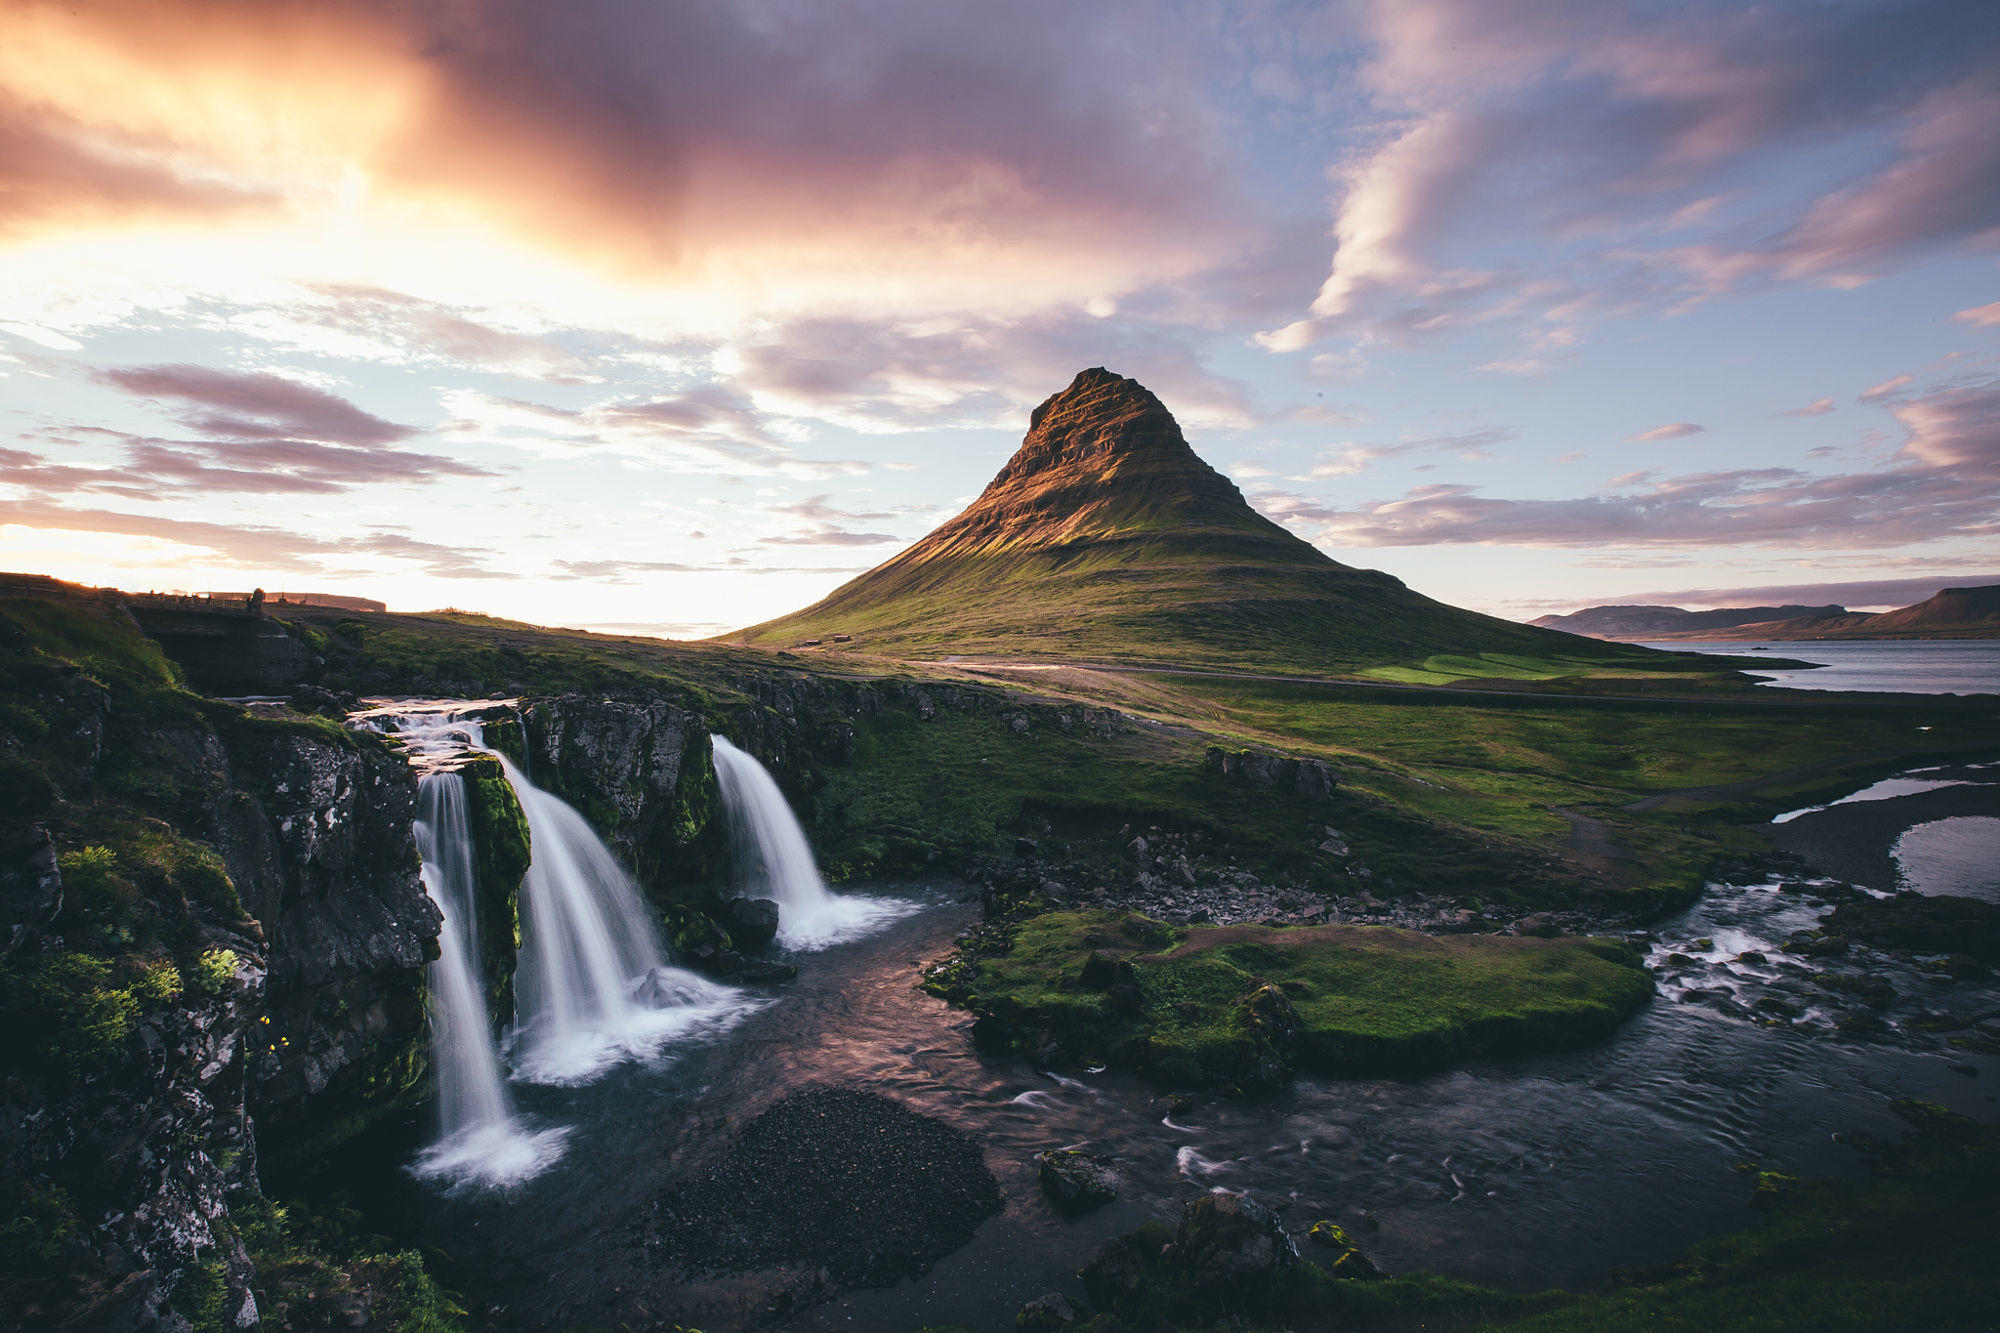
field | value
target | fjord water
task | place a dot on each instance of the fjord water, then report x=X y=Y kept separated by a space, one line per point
x=1873 y=666
x=776 y=862
x=481 y=1139
x=593 y=985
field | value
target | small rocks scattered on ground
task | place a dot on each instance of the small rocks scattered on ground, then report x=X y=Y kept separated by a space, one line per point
x=836 y=1179
x=1177 y=878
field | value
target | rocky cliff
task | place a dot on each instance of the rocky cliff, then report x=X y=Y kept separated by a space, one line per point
x=314 y=829
x=213 y=926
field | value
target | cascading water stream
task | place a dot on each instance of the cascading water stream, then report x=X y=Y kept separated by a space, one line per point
x=481 y=1140
x=594 y=986
x=777 y=863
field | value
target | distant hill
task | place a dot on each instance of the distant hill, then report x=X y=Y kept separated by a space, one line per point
x=1651 y=622
x=1106 y=538
x=1954 y=613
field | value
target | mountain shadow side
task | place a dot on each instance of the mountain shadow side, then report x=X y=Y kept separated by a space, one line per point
x=1106 y=538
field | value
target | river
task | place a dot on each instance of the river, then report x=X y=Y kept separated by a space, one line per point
x=1523 y=1173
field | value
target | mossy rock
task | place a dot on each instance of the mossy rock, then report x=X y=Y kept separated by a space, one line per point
x=501 y=852
x=1241 y=1006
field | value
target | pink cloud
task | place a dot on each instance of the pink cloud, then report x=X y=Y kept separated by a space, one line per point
x=1675 y=430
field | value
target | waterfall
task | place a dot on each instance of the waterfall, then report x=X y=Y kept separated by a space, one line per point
x=776 y=862
x=481 y=1140
x=593 y=986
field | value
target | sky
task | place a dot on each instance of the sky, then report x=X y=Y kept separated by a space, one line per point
x=669 y=318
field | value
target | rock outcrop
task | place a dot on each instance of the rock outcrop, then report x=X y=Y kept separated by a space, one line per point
x=213 y=925
x=1307 y=777
x=640 y=769
x=315 y=832
x=150 y=1147
x=1076 y=1182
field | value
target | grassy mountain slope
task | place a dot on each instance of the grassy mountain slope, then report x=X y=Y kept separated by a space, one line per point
x=1106 y=538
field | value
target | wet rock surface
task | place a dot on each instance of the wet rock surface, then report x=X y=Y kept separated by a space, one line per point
x=317 y=837
x=639 y=769
x=752 y=923
x=1832 y=961
x=830 y=1178
x=1077 y=1182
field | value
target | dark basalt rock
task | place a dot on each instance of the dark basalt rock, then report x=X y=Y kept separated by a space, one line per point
x=1077 y=1182
x=1307 y=777
x=1268 y=1016
x=317 y=838
x=1226 y=1238
x=1047 y=1313
x=640 y=769
x=752 y=923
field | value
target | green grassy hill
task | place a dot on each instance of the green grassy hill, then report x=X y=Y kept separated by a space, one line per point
x=1106 y=538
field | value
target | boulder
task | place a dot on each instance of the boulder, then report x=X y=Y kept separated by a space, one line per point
x=1226 y=1238
x=1048 y=1312
x=1077 y=1182
x=1102 y=971
x=1345 y=1259
x=752 y=923
x=1119 y=1268
x=1266 y=1015
x=1306 y=777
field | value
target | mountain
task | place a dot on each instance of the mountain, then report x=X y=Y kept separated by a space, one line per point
x=1106 y=538
x=1954 y=613
x=1648 y=622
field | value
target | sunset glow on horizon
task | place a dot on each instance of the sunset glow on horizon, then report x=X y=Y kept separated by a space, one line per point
x=580 y=314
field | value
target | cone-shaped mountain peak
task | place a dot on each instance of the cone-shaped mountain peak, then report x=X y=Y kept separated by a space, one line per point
x=1102 y=459
x=1100 y=423
x=1107 y=538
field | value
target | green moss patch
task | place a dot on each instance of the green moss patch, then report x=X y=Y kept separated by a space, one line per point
x=1246 y=1005
x=500 y=856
